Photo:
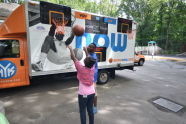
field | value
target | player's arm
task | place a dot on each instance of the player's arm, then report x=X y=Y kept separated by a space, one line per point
x=69 y=40
x=85 y=49
x=72 y=54
x=52 y=28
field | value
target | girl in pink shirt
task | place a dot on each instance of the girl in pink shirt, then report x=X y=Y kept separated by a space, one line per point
x=85 y=75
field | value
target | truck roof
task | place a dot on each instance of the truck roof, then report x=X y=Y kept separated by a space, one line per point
x=15 y=24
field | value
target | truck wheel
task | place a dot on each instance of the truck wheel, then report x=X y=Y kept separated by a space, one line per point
x=103 y=77
x=141 y=62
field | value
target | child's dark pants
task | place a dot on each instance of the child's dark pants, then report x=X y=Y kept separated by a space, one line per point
x=86 y=102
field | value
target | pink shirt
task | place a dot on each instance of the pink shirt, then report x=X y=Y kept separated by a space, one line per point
x=85 y=76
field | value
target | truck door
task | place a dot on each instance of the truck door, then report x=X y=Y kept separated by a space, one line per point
x=13 y=69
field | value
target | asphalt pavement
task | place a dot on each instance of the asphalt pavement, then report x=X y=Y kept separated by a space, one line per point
x=123 y=100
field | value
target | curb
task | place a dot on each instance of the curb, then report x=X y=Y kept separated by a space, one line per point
x=3 y=119
x=2 y=110
x=165 y=58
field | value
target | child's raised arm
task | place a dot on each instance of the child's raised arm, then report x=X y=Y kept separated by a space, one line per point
x=72 y=53
x=86 y=52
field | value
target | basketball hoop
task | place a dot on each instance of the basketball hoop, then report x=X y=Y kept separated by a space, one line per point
x=60 y=25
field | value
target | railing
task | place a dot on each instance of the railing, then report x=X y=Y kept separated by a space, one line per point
x=12 y=1
x=147 y=50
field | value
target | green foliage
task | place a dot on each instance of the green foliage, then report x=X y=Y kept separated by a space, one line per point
x=159 y=20
x=104 y=7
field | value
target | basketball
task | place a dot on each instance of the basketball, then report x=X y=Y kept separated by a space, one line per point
x=78 y=53
x=78 y=30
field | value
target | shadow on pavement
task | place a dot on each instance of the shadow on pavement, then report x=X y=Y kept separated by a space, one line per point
x=41 y=85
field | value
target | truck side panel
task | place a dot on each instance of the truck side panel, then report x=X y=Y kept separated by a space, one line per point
x=114 y=37
x=14 y=52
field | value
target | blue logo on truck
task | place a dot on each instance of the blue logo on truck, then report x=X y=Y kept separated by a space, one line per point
x=7 y=69
x=117 y=42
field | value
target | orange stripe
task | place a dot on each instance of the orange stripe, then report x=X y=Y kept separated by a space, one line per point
x=81 y=15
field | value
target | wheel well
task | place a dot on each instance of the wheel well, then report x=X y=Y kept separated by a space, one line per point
x=142 y=59
x=100 y=81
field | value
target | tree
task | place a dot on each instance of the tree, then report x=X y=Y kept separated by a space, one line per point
x=159 y=20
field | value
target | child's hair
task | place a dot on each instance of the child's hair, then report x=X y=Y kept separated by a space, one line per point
x=89 y=61
x=91 y=48
x=93 y=44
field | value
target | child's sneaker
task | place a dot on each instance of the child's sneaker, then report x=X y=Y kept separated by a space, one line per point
x=94 y=110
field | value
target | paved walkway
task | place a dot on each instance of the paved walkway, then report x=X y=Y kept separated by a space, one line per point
x=2 y=108
x=170 y=58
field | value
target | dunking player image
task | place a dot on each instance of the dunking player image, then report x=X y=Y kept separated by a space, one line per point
x=53 y=47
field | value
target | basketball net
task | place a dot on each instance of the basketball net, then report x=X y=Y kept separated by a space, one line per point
x=60 y=25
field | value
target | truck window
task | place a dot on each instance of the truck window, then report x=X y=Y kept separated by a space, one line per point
x=9 y=49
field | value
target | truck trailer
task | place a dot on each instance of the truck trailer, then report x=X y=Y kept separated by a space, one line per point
x=30 y=45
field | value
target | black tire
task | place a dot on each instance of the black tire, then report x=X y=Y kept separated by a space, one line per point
x=103 y=77
x=112 y=74
x=141 y=62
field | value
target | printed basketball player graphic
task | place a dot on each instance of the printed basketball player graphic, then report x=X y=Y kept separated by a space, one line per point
x=78 y=53
x=59 y=53
x=54 y=47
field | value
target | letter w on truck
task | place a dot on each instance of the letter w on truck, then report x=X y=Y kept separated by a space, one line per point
x=34 y=37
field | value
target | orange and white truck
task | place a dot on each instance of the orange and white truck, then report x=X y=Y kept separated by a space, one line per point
x=31 y=46
x=139 y=58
